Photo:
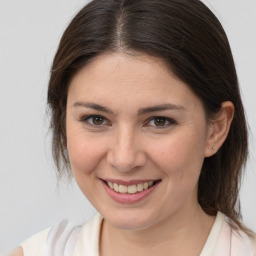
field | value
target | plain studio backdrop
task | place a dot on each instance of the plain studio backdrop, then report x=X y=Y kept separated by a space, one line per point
x=30 y=199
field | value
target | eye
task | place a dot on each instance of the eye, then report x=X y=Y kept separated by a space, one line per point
x=161 y=122
x=95 y=120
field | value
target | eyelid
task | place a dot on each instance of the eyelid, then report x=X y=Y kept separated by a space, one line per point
x=170 y=120
x=87 y=117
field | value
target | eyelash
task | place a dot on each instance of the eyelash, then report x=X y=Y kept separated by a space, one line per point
x=86 y=119
x=154 y=118
x=165 y=119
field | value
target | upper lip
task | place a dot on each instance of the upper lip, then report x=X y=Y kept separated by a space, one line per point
x=130 y=182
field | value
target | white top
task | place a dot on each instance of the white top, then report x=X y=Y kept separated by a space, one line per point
x=67 y=240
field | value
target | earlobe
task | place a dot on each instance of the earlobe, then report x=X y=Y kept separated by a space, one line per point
x=219 y=128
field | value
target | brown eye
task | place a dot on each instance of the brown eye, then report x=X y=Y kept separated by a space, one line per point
x=97 y=120
x=160 y=121
x=94 y=120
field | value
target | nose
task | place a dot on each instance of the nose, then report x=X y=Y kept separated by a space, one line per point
x=126 y=152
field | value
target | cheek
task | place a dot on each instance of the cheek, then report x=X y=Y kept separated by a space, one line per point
x=180 y=156
x=180 y=161
x=84 y=153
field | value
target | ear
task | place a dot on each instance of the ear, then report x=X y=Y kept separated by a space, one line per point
x=219 y=128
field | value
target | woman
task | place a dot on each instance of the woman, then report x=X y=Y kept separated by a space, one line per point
x=146 y=112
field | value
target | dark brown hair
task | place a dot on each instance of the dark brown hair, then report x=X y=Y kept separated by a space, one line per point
x=191 y=41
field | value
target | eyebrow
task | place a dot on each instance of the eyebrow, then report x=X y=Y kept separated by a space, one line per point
x=162 y=107
x=141 y=111
x=93 y=106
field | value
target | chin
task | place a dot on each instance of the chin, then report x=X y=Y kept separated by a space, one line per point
x=130 y=221
x=129 y=224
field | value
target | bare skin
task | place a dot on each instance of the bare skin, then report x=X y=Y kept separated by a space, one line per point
x=155 y=129
x=176 y=236
x=16 y=252
x=126 y=145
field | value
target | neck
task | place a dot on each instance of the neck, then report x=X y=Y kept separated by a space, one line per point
x=183 y=233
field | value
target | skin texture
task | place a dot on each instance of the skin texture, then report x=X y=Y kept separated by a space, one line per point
x=16 y=252
x=127 y=143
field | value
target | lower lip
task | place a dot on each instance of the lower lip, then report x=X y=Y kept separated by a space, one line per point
x=128 y=198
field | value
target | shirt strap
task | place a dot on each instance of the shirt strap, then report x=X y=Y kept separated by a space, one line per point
x=61 y=239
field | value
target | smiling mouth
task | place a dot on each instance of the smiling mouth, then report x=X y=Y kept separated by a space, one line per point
x=131 y=189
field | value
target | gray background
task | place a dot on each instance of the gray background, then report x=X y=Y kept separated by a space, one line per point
x=30 y=199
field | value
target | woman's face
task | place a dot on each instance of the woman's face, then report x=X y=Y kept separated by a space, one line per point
x=130 y=123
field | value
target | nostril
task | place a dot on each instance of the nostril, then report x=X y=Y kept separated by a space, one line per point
x=126 y=160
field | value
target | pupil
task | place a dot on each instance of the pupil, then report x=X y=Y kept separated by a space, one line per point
x=160 y=122
x=97 y=120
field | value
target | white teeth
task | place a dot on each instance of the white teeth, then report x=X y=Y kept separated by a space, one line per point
x=140 y=187
x=110 y=184
x=116 y=187
x=132 y=189
x=122 y=189
x=145 y=185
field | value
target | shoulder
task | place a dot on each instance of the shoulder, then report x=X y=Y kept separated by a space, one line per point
x=36 y=244
x=89 y=236
x=228 y=239
x=50 y=241
x=241 y=243
x=16 y=252
x=253 y=243
x=60 y=239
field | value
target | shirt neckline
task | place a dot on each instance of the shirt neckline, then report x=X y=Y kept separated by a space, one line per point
x=211 y=241
x=91 y=234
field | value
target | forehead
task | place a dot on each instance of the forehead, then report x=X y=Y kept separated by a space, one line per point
x=114 y=77
x=123 y=68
